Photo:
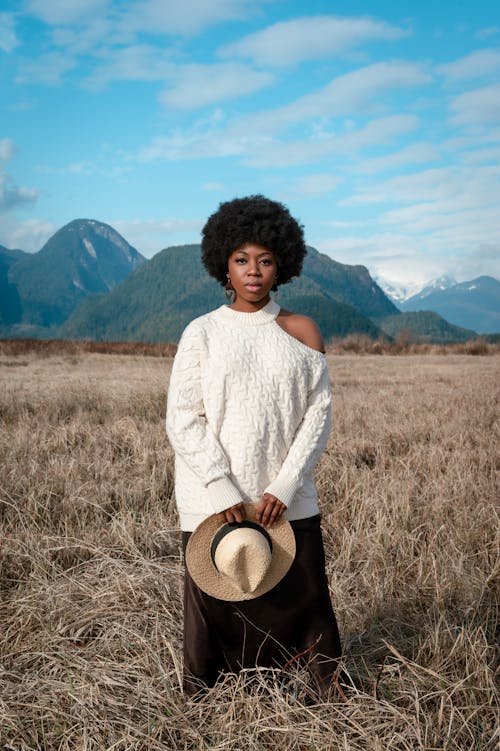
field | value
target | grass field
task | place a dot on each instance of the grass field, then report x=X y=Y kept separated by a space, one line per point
x=91 y=573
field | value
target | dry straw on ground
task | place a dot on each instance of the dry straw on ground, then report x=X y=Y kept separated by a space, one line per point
x=90 y=569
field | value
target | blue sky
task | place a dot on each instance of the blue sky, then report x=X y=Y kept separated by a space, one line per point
x=377 y=123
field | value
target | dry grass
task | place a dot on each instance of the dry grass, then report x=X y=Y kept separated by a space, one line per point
x=407 y=344
x=360 y=344
x=45 y=347
x=90 y=570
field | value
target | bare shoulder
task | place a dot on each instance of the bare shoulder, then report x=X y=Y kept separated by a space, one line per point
x=302 y=328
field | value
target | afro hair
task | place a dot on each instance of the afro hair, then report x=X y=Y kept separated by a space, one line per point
x=253 y=219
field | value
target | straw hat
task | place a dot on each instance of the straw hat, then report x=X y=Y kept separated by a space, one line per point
x=239 y=561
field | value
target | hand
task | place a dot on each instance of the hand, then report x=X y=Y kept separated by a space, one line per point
x=269 y=509
x=234 y=514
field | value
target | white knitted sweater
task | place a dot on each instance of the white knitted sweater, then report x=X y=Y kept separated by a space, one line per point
x=249 y=411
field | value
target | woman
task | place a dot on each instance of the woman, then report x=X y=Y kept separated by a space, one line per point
x=248 y=417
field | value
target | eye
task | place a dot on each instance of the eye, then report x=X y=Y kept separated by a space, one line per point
x=267 y=261
x=240 y=260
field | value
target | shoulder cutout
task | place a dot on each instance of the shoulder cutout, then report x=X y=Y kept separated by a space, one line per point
x=302 y=328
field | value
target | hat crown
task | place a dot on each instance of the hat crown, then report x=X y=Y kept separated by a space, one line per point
x=273 y=556
x=244 y=556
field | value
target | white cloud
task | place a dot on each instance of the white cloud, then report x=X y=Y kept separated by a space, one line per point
x=482 y=155
x=477 y=107
x=48 y=69
x=477 y=64
x=158 y=17
x=6 y=149
x=413 y=154
x=83 y=26
x=151 y=235
x=22 y=105
x=190 y=86
x=476 y=222
x=439 y=188
x=488 y=32
x=99 y=166
x=80 y=168
x=268 y=152
x=361 y=91
x=198 y=86
x=213 y=186
x=140 y=62
x=206 y=140
x=29 y=235
x=398 y=257
x=310 y=38
x=66 y=11
x=376 y=132
x=167 y=17
x=409 y=258
x=187 y=145
x=88 y=37
x=449 y=211
x=8 y=38
x=472 y=141
x=12 y=195
x=484 y=259
x=380 y=245
x=315 y=185
x=273 y=153
x=342 y=225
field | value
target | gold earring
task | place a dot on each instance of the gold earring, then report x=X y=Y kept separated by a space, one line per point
x=229 y=291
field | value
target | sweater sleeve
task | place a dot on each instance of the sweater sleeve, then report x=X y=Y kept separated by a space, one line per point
x=187 y=428
x=309 y=441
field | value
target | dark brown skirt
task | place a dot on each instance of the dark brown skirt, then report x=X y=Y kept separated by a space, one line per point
x=294 y=619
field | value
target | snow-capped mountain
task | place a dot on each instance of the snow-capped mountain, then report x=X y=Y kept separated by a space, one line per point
x=398 y=292
x=474 y=304
x=429 y=288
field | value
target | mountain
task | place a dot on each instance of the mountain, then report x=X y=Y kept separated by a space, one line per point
x=473 y=305
x=12 y=255
x=157 y=301
x=397 y=292
x=88 y=282
x=83 y=258
x=424 y=326
x=10 y=303
x=445 y=281
x=352 y=285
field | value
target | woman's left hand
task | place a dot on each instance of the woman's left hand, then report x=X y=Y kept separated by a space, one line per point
x=269 y=509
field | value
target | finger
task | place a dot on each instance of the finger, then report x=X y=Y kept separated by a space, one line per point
x=273 y=516
x=278 y=513
x=238 y=513
x=266 y=514
x=259 y=509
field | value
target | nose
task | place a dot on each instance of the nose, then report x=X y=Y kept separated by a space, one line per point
x=253 y=268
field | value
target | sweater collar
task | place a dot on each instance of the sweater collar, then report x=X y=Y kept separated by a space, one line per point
x=265 y=315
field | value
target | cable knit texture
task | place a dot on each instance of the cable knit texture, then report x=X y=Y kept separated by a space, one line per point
x=249 y=411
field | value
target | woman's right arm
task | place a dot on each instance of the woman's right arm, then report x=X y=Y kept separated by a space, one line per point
x=188 y=430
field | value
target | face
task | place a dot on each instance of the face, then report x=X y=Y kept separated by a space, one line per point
x=252 y=269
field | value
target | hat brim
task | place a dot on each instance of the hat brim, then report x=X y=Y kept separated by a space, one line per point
x=204 y=573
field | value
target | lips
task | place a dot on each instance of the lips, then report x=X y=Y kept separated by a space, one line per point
x=253 y=287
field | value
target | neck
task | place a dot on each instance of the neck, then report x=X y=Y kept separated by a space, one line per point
x=247 y=306
x=255 y=317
